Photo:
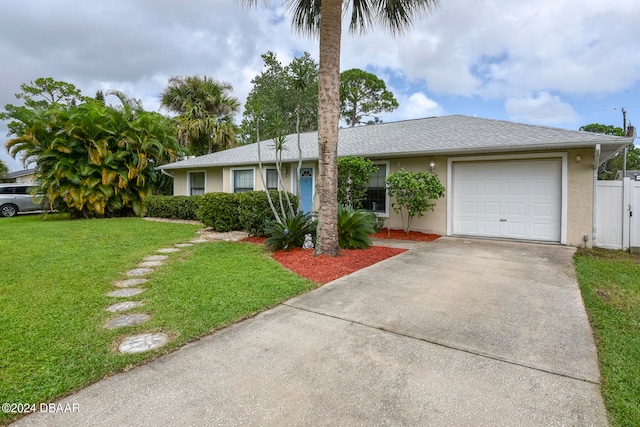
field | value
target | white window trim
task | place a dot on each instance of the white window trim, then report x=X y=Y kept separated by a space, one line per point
x=189 y=180
x=550 y=155
x=232 y=186
x=266 y=168
x=384 y=214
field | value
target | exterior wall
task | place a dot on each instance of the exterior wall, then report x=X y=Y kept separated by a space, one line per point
x=579 y=200
x=180 y=183
x=433 y=221
x=212 y=183
x=580 y=197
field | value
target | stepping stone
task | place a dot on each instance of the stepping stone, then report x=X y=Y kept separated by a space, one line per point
x=168 y=250
x=139 y=272
x=156 y=258
x=128 y=292
x=127 y=320
x=200 y=240
x=150 y=264
x=184 y=245
x=130 y=282
x=124 y=306
x=142 y=343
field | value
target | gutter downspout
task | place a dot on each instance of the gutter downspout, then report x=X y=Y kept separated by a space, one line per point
x=166 y=173
x=596 y=165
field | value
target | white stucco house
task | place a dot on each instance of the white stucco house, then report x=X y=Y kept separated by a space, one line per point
x=502 y=179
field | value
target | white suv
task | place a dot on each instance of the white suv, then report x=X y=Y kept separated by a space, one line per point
x=16 y=198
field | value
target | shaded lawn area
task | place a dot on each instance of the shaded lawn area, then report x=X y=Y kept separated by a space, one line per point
x=54 y=279
x=610 y=285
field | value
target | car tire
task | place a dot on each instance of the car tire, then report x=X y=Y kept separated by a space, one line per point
x=8 y=210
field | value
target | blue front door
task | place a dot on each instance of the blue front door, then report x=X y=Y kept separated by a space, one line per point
x=306 y=189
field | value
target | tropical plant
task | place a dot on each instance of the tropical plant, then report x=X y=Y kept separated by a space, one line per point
x=354 y=174
x=393 y=14
x=205 y=111
x=290 y=233
x=354 y=228
x=413 y=193
x=92 y=159
x=363 y=94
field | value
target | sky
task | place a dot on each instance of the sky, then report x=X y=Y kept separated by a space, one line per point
x=560 y=63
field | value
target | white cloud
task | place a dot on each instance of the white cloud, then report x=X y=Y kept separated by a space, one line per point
x=542 y=108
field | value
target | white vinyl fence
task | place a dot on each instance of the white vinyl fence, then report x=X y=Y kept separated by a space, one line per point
x=618 y=215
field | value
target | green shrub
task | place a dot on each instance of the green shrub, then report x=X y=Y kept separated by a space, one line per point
x=174 y=207
x=378 y=222
x=255 y=213
x=220 y=211
x=354 y=228
x=290 y=234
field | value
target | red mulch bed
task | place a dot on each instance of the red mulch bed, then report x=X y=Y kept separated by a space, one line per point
x=323 y=268
x=401 y=235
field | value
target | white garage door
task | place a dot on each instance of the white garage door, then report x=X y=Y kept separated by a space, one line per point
x=508 y=199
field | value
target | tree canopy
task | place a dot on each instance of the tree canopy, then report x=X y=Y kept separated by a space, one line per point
x=4 y=169
x=363 y=94
x=608 y=169
x=92 y=160
x=205 y=109
x=289 y=91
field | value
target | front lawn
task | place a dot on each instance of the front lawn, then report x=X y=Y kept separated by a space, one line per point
x=610 y=285
x=54 y=278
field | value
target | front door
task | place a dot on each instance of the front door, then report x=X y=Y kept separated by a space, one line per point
x=306 y=189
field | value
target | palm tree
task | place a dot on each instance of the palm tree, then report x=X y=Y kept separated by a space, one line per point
x=397 y=15
x=206 y=111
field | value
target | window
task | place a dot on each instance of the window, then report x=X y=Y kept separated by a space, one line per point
x=242 y=180
x=272 y=179
x=196 y=183
x=376 y=200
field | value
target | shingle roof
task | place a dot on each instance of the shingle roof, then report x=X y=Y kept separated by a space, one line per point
x=445 y=135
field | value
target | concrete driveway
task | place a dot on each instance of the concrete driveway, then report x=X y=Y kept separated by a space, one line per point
x=455 y=332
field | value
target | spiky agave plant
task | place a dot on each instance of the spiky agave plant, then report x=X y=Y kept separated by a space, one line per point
x=290 y=233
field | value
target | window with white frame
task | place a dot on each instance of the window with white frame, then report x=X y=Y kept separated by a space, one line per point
x=242 y=180
x=272 y=179
x=196 y=183
x=376 y=200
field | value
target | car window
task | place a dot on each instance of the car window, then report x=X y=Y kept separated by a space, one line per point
x=6 y=190
x=21 y=190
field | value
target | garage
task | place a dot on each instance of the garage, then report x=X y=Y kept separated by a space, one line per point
x=515 y=199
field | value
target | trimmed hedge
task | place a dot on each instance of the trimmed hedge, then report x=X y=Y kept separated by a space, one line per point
x=254 y=212
x=173 y=207
x=219 y=211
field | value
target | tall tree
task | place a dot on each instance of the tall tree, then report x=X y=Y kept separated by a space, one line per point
x=396 y=15
x=290 y=91
x=608 y=169
x=205 y=111
x=4 y=169
x=363 y=94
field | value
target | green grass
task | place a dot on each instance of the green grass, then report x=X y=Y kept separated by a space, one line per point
x=54 y=277
x=610 y=285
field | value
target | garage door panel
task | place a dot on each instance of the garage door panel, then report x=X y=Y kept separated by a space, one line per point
x=491 y=208
x=516 y=209
x=519 y=199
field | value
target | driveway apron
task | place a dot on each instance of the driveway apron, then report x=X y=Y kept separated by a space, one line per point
x=455 y=332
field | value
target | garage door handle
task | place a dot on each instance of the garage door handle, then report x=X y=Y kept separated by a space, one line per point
x=503 y=220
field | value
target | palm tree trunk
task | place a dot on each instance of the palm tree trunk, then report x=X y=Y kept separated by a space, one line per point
x=328 y=120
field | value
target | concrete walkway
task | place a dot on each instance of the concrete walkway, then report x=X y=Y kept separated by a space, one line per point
x=455 y=332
